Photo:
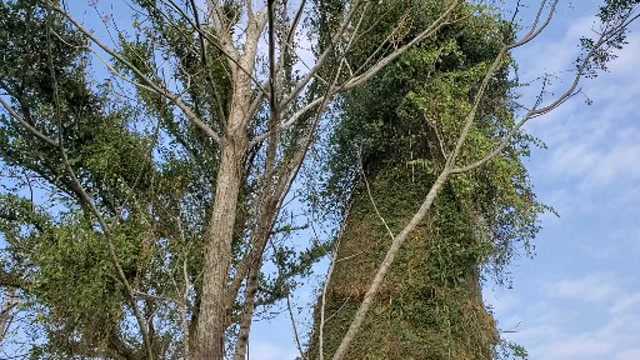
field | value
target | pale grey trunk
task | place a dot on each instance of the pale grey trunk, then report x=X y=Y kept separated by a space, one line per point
x=212 y=317
x=212 y=320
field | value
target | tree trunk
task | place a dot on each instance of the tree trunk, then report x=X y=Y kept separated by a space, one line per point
x=430 y=306
x=212 y=316
x=210 y=344
x=11 y=301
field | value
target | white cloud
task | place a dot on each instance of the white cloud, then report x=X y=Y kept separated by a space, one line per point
x=597 y=318
x=579 y=348
x=592 y=288
x=590 y=145
x=596 y=159
x=627 y=60
x=553 y=57
x=589 y=170
x=501 y=302
x=633 y=354
x=627 y=303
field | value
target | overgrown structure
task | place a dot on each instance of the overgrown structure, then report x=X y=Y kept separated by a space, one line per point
x=391 y=140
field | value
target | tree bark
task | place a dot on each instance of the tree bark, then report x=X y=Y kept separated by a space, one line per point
x=212 y=322
x=7 y=311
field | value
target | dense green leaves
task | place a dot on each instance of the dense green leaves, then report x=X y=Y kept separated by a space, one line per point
x=403 y=125
x=414 y=111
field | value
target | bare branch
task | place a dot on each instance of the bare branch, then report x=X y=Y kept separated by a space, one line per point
x=224 y=45
x=375 y=69
x=428 y=32
x=296 y=21
x=373 y=202
x=158 y=88
x=386 y=264
x=535 y=31
x=450 y=169
x=7 y=311
x=399 y=240
x=203 y=57
x=295 y=328
x=537 y=111
x=334 y=261
x=322 y=59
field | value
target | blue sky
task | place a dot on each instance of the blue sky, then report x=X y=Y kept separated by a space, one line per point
x=579 y=298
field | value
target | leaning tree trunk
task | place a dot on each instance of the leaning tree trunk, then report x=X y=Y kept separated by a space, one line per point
x=430 y=306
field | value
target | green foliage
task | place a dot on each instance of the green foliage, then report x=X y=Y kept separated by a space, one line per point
x=596 y=55
x=424 y=96
x=152 y=177
x=403 y=124
x=430 y=305
x=150 y=172
x=62 y=263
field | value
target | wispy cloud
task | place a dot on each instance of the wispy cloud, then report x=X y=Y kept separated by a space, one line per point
x=563 y=323
x=626 y=303
x=591 y=288
x=633 y=354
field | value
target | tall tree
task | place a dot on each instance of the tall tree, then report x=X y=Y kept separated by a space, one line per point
x=392 y=138
x=614 y=17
